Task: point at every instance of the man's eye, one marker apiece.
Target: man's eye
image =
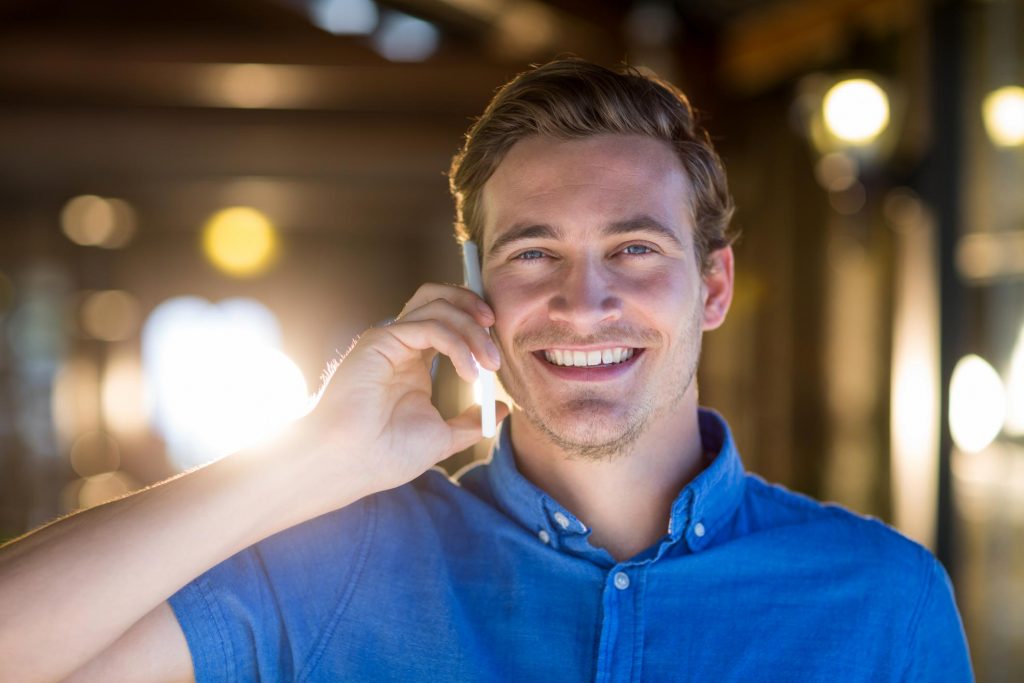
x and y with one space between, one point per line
637 250
529 255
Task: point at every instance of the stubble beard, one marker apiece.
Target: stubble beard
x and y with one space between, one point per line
578 427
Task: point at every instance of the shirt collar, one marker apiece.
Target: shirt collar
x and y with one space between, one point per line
700 510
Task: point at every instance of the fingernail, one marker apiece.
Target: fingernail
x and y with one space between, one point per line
484 308
493 352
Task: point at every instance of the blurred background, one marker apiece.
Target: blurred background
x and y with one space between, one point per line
203 201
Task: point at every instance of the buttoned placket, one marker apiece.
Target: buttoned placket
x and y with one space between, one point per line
695 516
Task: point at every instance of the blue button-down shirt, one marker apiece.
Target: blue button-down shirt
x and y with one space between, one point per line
489 578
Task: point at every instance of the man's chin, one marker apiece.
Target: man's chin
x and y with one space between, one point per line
590 429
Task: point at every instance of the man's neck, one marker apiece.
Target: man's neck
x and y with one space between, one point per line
625 499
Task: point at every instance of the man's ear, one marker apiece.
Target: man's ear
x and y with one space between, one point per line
718 283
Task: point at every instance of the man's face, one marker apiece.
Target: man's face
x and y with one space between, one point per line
590 268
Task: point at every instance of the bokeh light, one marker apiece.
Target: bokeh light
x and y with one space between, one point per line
94 452
218 377
1015 388
345 17
240 241
101 488
977 404
856 111
836 171
847 198
96 489
94 221
250 86
75 402
1003 113
124 397
403 38
526 28
110 315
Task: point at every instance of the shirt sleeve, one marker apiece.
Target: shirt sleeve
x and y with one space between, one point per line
260 614
937 650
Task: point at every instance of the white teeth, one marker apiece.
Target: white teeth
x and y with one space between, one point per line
566 357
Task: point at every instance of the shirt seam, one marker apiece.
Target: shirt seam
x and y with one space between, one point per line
344 600
229 663
915 620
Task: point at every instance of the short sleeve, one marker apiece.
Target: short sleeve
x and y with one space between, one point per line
260 614
937 650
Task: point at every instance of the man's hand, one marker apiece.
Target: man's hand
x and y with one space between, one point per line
376 407
64 603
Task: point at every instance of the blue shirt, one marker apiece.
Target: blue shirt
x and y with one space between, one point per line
489 579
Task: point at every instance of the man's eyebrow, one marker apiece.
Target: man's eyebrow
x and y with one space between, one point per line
640 223
643 223
524 231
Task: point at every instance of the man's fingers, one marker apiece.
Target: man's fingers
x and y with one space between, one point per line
466 426
480 342
421 335
459 297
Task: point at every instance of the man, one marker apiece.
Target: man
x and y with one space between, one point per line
614 535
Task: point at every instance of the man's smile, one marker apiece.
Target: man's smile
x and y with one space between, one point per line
589 357
588 365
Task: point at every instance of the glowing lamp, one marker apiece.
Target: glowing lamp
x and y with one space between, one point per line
856 111
977 404
1003 113
240 241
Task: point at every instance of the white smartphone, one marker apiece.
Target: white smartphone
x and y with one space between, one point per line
485 383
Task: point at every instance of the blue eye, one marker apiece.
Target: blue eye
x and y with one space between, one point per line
530 255
637 250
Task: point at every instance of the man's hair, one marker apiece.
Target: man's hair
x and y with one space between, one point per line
571 98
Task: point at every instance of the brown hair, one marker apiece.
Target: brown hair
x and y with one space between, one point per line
572 98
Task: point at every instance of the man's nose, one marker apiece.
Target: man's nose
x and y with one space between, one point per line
584 296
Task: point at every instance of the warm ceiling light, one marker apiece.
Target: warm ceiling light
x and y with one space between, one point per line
1003 112
240 241
977 404
94 221
856 111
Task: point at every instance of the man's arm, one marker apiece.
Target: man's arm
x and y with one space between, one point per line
154 649
72 589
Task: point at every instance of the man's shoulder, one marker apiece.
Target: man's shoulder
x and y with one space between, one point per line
434 498
797 522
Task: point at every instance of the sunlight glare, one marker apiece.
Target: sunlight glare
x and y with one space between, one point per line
219 379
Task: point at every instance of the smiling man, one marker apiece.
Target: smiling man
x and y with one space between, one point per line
591 261
613 536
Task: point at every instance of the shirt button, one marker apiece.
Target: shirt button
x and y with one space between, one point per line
621 580
562 520
544 536
698 530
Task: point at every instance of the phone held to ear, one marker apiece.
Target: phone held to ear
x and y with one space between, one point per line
484 387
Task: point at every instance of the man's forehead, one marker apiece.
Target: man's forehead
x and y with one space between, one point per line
626 180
